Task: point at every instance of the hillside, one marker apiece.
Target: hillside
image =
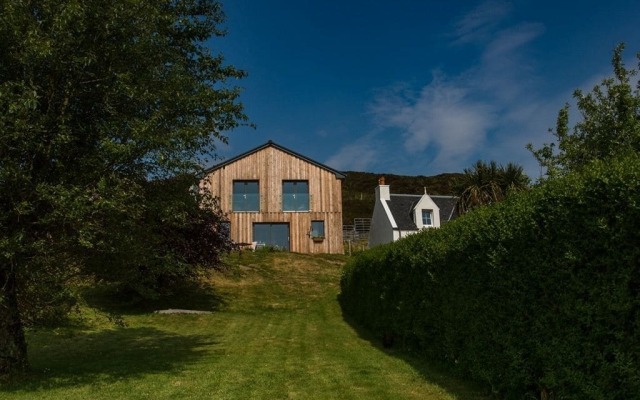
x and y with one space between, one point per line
274 331
358 196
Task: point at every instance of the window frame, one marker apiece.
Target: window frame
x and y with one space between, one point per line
429 213
312 232
297 205
246 205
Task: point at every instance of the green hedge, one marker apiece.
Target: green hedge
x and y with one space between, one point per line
538 296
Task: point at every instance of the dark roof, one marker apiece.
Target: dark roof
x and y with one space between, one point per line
270 143
401 207
447 206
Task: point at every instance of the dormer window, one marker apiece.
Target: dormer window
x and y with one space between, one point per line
427 218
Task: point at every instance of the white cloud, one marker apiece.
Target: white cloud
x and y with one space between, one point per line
506 69
467 115
511 39
478 23
489 111
357 156
443 115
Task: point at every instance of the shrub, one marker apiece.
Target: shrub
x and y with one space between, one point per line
539 295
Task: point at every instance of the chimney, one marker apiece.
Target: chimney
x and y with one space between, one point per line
382 190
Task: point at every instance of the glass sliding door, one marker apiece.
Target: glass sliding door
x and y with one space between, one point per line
272 234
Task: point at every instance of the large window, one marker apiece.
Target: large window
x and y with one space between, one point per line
272 234
427 218
295 195
246 196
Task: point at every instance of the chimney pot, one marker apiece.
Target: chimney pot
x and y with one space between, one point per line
381 180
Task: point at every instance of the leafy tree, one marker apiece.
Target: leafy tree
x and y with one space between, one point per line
100 102
610 125
181 234
488 183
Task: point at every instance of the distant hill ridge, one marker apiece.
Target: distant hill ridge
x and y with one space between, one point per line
358 196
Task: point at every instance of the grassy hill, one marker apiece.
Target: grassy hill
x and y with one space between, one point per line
275 331
358 196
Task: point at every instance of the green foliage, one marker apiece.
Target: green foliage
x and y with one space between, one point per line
535 296
45 300
98 101
488 183
610 124
181 237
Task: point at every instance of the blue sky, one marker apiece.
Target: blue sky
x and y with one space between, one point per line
417 87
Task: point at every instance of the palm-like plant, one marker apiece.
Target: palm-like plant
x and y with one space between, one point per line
487 183
513 178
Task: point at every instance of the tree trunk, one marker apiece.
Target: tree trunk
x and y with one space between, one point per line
13 346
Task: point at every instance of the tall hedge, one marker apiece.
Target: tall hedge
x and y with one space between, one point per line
538 296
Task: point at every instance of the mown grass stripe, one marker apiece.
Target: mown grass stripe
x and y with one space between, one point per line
279 335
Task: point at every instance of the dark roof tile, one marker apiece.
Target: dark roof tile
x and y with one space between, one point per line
447 206
401 207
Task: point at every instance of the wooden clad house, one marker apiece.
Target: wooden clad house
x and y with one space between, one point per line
275 196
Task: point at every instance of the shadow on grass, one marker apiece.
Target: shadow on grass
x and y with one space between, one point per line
433 372
107 356
189 296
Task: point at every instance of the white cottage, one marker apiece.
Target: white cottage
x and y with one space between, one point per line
398 215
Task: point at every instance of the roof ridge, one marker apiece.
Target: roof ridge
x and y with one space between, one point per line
271 143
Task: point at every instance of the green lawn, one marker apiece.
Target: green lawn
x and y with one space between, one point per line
277 332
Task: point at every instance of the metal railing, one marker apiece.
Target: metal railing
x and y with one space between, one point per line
358 231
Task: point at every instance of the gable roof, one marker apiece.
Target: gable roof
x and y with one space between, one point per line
402 205
447 206
270 143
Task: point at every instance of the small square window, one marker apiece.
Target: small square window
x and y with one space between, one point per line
317 229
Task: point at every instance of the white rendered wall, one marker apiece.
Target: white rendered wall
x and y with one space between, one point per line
426 203
382 224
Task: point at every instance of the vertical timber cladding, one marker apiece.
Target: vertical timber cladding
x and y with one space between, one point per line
270 164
